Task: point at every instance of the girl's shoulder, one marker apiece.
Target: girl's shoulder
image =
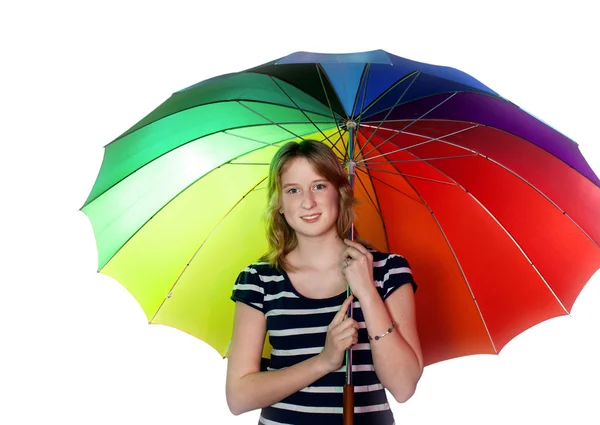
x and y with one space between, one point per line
382 256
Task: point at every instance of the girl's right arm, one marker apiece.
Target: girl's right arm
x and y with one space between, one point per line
247 388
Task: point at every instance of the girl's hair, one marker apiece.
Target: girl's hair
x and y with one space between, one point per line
281 237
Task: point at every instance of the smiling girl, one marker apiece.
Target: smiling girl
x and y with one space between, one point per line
297 293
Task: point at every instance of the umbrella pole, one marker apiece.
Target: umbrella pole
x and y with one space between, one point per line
348 410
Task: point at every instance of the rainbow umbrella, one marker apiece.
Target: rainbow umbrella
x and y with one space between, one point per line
496 212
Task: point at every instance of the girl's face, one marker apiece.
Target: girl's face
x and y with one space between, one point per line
309 202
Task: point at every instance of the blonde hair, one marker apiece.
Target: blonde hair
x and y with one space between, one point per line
281 237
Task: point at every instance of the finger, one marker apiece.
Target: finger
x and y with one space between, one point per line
363 251
347 333
349 323
341 314
348 342
353 253
356 246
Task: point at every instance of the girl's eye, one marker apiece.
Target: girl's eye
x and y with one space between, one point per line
292 190
319 186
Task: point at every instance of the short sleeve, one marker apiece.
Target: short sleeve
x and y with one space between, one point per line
249 289
395 272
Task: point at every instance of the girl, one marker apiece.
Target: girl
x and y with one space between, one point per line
297 293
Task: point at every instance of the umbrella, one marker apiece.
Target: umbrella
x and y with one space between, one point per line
496 211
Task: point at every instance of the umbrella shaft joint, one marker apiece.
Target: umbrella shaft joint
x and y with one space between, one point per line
351 164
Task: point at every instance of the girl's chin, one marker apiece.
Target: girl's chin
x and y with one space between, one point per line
313 230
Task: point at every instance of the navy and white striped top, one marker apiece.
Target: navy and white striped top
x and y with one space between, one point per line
297 327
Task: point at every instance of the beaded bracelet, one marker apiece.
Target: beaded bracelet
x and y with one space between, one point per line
389 331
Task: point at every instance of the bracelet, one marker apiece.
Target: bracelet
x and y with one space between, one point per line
377 337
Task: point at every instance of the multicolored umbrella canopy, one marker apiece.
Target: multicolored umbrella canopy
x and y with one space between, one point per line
496 212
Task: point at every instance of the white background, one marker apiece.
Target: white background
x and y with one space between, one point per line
75 346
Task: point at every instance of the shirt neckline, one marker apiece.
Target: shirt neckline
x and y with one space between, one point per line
289 283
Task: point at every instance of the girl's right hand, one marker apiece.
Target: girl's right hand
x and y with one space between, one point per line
342 333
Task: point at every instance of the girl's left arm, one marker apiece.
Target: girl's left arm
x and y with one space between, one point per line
397 356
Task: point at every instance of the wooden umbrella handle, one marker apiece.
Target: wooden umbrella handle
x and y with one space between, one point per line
348 404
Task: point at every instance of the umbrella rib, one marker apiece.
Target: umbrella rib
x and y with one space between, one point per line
303 113
170 293
414 121
424 202
407 119
546 197
429 140
424 159
127 133
330 108
225 131
400 173
410 133
283 128
504 229
376 205
365 79
341 139
394 188
392 87
462 272
505 131
248 163
271 121
256 140
452 93
390 111
252 139
229 161
373 202
458 263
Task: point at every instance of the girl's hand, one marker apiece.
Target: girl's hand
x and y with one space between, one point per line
357 269
342 333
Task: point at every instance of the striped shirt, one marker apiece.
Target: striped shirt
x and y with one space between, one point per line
297 327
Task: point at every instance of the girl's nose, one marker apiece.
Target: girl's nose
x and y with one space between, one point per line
309 200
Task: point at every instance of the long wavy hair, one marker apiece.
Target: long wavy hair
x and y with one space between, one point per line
281 237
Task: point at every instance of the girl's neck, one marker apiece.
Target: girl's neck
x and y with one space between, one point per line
317 253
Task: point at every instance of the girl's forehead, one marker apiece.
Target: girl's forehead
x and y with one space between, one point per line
299 168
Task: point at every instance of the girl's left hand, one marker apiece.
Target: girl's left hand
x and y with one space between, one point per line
357 269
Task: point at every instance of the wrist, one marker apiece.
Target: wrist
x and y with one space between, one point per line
322 365
369 296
